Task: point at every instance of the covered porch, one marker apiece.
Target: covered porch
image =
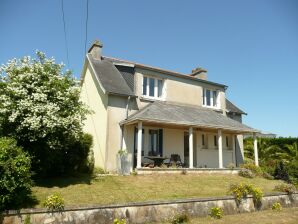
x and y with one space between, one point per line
159 140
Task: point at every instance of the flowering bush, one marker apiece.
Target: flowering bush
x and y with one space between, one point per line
287 188
40 108
276 206
180 218
15 175
119 221
216 212
246 173
241 191
54 202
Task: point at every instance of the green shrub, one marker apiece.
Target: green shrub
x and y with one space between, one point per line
246 173
134 173
287 188
180 218
99 170
54 202
119 221
241 191
231 166
216 212
253 168
276 206
281 172
15 175
267 176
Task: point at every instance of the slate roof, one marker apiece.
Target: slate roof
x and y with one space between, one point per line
112 80
186 115
230 107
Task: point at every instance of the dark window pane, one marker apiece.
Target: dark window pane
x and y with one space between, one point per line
203 140
215 140
151 87
159 85
227 141
208 97
204 103
145 86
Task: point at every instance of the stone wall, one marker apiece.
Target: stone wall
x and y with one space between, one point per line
146 212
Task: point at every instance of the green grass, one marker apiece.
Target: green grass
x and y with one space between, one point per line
120 189
286 216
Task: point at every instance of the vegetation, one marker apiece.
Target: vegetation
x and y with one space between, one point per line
87 189
180 219
278 157
40 108
246 173
54 202
286 188
216 212
15 175
119 221
276 206
241 191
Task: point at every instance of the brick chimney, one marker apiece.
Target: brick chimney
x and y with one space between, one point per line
95 49
199 73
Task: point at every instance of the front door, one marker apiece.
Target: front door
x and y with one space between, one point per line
186 149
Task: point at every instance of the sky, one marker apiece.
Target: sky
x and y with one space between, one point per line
250 46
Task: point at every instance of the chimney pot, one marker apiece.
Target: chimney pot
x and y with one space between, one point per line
199 73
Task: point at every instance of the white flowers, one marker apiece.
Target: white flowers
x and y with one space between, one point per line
37 99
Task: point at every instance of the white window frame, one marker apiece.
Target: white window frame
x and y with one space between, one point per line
217 104
155 88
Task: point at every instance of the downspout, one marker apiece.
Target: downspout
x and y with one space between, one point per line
122 126
128 99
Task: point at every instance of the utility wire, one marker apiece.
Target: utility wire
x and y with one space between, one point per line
65 39
86 33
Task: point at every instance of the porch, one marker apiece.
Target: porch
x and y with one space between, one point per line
210 141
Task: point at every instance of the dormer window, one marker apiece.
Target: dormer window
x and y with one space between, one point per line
152 87
210 98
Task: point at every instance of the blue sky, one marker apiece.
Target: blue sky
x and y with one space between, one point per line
251 46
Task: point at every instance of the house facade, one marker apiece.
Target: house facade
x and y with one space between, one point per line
152 112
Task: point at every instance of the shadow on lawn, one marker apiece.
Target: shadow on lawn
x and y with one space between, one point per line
64 181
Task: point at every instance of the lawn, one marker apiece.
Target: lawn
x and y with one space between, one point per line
119 189
286 216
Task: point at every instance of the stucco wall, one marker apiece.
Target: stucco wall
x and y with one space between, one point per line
96 123
178 89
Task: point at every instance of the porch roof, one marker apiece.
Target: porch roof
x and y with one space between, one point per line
186 115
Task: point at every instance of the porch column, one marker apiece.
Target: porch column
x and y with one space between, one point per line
139 149
256 149
190 147
220 162
234 149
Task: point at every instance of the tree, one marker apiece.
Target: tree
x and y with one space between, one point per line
40 108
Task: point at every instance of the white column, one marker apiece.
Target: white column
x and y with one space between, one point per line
220 162
139 149
234 149
256 150
190 147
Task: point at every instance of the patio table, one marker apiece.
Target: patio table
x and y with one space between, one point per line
158 160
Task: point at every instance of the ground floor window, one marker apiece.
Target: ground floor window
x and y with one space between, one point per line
155 142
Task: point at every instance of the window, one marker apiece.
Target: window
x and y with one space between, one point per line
210 98
155 142
203 139
152 87
215 140
227 141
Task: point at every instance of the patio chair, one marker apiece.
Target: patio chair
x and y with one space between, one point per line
176 159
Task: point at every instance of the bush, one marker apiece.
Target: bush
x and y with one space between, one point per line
246 173
276 206
281 172
287 188
119 221
216 213
54 202
241 191
267 176
231 166
253 168
15 175
180 218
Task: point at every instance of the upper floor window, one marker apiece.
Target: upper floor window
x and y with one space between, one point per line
210 98
152 87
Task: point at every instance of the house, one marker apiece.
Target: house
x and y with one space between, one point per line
154 112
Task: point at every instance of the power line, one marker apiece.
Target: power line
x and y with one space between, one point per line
86 33
65 39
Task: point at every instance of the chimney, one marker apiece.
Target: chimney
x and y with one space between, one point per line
199 73
95 49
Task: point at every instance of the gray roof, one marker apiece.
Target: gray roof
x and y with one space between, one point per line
112 80
230 107
186 115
